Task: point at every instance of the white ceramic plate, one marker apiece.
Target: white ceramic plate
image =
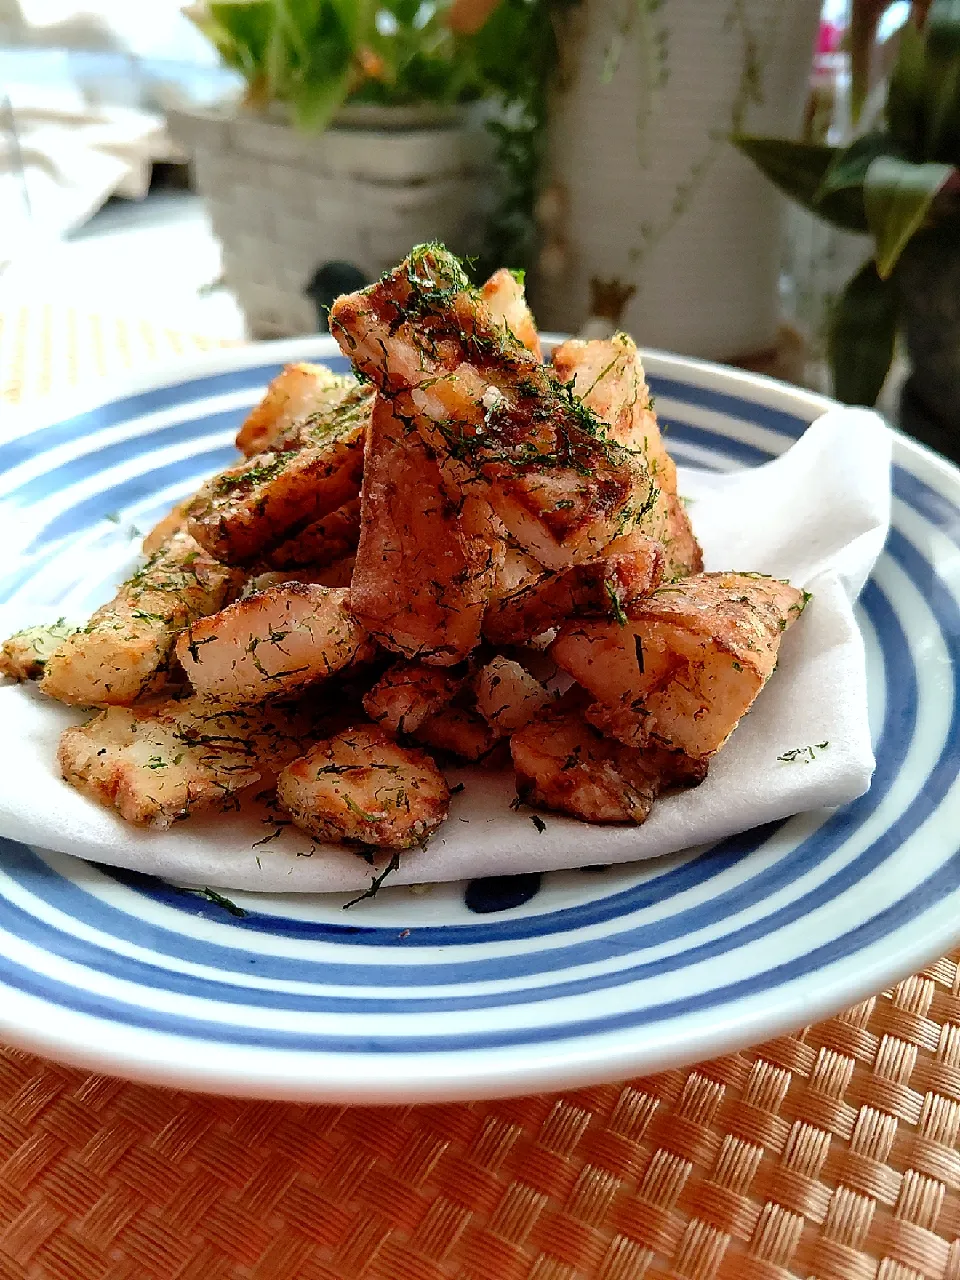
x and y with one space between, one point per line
589 975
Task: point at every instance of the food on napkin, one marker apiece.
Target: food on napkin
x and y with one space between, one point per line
470 553
124 651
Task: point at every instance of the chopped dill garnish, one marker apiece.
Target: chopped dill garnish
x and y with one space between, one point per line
616 606
217 899
376 882
803 755
538 822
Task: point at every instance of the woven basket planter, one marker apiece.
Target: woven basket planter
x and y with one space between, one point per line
284 202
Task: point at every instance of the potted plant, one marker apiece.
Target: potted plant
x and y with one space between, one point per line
642 189
361 132
900 181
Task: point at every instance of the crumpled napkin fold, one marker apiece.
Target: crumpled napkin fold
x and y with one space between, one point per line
817 515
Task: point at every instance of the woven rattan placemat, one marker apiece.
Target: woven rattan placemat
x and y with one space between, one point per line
828 1154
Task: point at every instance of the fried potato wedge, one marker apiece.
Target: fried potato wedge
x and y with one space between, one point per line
508 697
296 392
328 539
423 569
247 510
603 588
272 644
158 764
505 296
497 420
173 522
360 787
24 655
461 731
408 692
688 664
563 763
125 649
515 571
608 376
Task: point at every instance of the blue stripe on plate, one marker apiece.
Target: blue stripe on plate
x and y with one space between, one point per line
898 730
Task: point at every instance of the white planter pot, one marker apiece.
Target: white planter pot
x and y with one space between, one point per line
364 192
643 186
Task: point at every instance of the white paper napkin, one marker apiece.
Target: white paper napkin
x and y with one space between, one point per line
817 515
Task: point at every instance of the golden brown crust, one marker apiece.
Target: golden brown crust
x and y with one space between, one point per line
296 392
163 530
23 656
608 375
490 411
126 647
460 731
562 763
361 787
421 577
602 588
504 295
247 510
689 662
328 539
272 644
158 764
508 696
408 692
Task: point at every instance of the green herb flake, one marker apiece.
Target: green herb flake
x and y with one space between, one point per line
616 605
538 822
376 883
803 755
217 899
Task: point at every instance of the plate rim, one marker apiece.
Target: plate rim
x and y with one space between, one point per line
309 1076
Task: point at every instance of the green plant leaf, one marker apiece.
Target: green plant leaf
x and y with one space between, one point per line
942 82
943 28
898 196
848 169
799 169
863 333
240 32
905 93
314 102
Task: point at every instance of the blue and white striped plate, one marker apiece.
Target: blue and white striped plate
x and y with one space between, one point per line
601 974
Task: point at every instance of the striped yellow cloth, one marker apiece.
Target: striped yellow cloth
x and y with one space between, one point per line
48 348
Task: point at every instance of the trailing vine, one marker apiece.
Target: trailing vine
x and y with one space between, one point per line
756 55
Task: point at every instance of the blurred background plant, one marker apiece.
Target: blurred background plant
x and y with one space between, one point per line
316 57
898 180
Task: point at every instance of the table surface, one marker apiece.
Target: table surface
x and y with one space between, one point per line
832 1153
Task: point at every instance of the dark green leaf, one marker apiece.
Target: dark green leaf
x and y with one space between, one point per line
942 82
848 169
863 330
898 196
240 32
943 29
905 94
798 169
314 103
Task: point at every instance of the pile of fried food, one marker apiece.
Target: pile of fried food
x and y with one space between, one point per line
463 550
